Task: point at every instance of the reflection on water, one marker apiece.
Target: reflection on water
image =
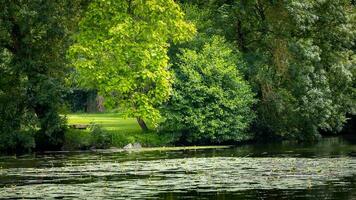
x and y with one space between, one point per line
326 170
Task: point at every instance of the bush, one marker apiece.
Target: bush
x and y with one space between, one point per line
51 134
211 103
147 139
16 142
100 138
77 139
16 130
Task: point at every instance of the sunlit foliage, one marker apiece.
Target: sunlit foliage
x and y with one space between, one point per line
211 102
122 47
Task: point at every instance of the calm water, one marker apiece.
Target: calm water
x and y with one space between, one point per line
326 170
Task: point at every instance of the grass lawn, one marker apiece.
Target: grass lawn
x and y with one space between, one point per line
118 130
109 121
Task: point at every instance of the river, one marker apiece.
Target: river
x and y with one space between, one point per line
325 170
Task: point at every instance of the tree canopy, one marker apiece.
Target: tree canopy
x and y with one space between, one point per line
122 49
208 70
34 37
300 60
211 103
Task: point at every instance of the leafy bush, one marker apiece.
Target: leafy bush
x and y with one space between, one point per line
147 139
77 139
16 142
15 126
211 103
100 138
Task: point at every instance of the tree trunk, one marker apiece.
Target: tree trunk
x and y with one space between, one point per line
100 103
240 36
142 124
91 102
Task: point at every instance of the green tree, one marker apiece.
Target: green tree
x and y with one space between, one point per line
34 37
300 60
122 50
303 69
211 103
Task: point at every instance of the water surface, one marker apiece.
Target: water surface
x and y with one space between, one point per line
326 170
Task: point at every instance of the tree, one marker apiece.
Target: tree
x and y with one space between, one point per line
303 66
300 61
211 103
122 50
34 37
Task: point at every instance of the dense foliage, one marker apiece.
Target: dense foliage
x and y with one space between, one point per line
301 60
81 100
33 43
207 57
122 50
211 103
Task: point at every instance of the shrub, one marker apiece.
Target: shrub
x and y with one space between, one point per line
211 103
100 138
77 139
16 142
16 130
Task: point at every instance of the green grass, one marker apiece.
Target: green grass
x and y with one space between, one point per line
109 121
120 131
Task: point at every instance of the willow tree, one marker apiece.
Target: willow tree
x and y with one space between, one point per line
121 49
302 64
300 57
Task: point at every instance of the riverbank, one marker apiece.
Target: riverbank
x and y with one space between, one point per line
105 130
112 131
142 149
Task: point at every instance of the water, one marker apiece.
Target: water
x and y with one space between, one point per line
326 170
